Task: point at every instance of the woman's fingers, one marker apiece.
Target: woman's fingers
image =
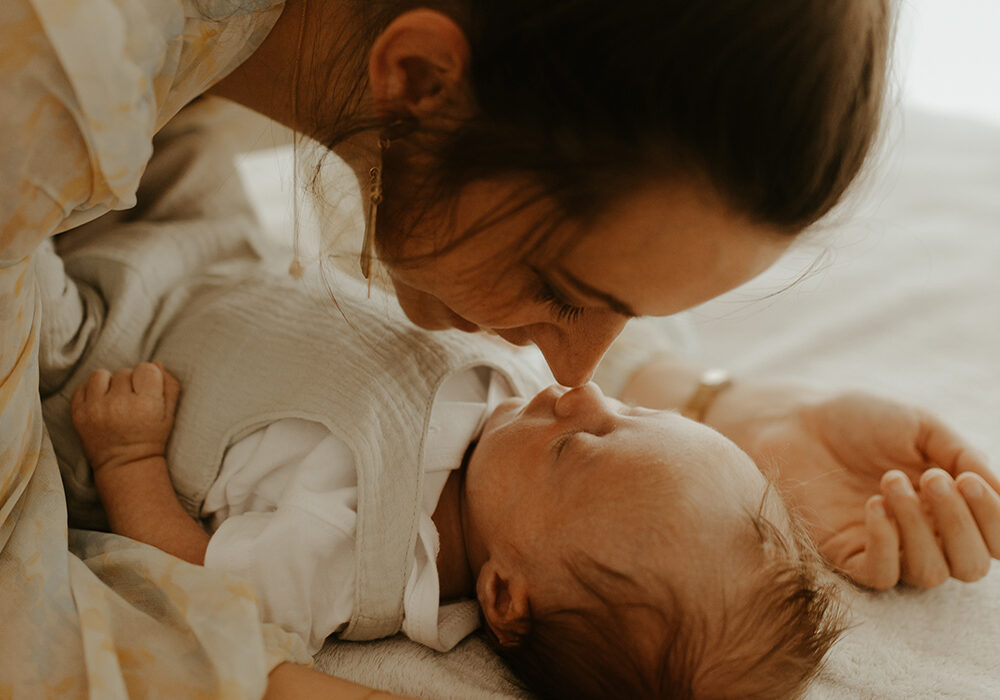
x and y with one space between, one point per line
942 446
923 562
984 503
966 552
975 462
147 379
878 566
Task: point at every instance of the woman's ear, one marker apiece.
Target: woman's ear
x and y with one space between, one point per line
503 596
418 65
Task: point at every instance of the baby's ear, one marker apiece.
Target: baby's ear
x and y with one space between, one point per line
503 596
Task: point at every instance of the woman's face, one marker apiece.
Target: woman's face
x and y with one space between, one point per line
664 249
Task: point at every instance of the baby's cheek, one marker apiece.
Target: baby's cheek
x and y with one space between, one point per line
500 417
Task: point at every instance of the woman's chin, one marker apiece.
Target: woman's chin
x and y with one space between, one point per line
436 318
463 324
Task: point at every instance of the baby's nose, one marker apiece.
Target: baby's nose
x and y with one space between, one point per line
583 401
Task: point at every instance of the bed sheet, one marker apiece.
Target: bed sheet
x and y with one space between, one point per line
903 298
905 301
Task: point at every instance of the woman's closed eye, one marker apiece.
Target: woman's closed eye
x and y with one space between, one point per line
561 309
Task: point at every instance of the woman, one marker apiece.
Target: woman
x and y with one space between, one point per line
546 170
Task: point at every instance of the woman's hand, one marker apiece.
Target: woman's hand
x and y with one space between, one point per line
125 417
888 491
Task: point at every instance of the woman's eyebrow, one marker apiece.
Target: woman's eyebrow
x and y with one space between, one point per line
613 302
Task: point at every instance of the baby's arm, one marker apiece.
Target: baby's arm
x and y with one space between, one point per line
124 421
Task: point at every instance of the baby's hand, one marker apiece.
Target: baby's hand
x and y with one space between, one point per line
127 416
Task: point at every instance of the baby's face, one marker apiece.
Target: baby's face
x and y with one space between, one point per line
574 471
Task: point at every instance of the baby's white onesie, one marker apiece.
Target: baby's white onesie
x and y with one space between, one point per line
284 508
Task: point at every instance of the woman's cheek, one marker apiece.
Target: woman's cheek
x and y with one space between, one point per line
423 309
517 336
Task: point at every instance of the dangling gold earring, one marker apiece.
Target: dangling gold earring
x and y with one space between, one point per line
374 199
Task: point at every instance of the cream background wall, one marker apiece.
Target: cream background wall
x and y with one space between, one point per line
948 56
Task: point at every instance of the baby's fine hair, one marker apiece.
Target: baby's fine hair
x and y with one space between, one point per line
770 643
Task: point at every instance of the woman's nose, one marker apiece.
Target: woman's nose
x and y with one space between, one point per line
574 351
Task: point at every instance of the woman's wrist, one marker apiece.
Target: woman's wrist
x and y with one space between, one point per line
743 411
671 383
665 382
668 382
711 383
751 411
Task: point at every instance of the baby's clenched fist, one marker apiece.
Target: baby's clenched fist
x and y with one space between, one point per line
127 416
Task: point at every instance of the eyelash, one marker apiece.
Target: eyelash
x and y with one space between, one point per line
562 442
561 310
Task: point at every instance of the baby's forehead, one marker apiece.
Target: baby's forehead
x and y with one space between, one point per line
659 458
706 509
683 446
706 478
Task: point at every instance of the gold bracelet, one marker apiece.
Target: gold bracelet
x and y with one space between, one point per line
711 383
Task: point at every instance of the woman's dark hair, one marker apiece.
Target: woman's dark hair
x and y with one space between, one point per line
774 104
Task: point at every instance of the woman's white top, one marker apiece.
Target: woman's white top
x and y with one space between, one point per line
84 84
284 510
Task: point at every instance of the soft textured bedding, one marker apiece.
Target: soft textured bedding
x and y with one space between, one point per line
906 301
907 304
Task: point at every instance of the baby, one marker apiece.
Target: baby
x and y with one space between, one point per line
612 551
